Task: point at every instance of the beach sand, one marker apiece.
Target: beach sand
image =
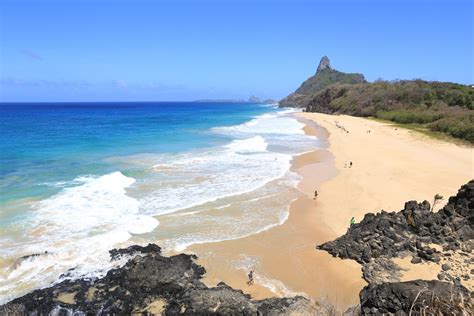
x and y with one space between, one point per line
390 166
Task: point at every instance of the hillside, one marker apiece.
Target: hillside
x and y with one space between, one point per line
324 77
436 106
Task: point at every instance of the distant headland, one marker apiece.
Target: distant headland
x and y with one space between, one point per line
439 107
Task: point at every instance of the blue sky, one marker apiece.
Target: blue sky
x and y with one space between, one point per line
104 50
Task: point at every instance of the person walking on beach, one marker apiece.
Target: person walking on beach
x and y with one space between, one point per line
315 194
350 164
250 281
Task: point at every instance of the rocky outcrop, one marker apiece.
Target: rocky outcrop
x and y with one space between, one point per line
415 231
411 230
150 283
416 298
324 63
325 76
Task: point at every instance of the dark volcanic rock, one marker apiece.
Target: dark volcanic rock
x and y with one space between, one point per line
381 270
415 260
445 267
410 230
151 283
380 237
418 297
116 254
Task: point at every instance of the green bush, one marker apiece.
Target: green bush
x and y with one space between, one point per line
409 117
440 106
456 126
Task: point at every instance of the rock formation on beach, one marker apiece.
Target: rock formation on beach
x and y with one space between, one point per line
150 283
413 231
424 235
416 298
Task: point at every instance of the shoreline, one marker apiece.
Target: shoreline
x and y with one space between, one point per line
381 178
143 283
272 278
284 258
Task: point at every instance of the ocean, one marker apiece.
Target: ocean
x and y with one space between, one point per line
78 179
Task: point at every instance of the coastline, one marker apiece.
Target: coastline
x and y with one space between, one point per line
288 263
284 258
394 166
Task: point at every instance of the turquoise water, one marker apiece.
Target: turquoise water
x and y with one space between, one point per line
79 179
46 143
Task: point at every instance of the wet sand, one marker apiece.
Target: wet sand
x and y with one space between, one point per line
390 166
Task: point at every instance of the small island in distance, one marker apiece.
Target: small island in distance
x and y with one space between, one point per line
252 99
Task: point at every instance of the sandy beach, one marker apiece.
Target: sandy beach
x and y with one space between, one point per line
390 166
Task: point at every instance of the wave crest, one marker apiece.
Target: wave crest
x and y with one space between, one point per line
256 144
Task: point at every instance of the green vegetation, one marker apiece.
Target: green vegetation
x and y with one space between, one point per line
437 106
327 77
456 126
322 79
407 117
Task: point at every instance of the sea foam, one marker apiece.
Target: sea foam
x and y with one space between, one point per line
239 188
256 144
265 124
77 227
198 178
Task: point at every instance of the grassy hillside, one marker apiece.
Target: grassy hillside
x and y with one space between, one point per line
324 77
327 77
439 106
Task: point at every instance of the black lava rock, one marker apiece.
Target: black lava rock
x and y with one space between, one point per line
150 283
411 229
445 267
415 260
416 298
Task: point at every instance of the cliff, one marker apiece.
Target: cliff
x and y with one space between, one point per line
325 76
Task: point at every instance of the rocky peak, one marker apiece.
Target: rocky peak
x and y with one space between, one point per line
324 63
